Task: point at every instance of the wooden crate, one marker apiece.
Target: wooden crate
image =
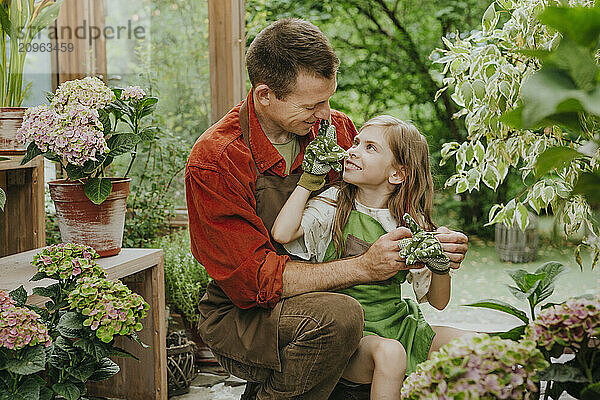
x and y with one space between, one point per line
22 223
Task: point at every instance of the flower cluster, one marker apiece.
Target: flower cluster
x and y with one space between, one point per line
5 301
19 326
477 367
70 127
68 260
89 92
566 324
133 92
111 307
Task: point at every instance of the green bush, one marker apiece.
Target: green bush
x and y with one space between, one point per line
185 278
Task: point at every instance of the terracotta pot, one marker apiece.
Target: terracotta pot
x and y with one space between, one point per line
10 121
81 221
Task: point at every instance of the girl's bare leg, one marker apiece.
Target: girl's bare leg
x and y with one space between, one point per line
444 334
381 362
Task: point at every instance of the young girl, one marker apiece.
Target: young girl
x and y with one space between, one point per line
386 174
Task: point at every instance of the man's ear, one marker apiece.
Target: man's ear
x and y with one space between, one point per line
397 175
263 94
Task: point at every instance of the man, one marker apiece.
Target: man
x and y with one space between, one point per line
267 318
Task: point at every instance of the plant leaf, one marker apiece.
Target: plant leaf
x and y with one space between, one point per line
500 306
555 158
591 392
580 24
2 199
518 293
122 143
45 16
82 372
33 360
5 21
588 185
97 350
562 373
32 152
70 320
104 118
513 334
49 291
106 369
29 389
97 189
119 352
19 295
551 269
67 390
518 276
38 276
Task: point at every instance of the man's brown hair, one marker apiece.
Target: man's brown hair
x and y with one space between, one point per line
283 49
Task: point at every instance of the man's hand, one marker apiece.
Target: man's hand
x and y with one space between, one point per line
382 260
454 245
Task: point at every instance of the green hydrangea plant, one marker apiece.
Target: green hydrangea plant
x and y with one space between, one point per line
479 367
111 307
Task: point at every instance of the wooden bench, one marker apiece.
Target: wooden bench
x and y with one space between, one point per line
142 270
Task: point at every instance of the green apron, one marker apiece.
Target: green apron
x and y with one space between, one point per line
387 314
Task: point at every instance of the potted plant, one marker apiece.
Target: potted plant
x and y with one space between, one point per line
20 21
79 131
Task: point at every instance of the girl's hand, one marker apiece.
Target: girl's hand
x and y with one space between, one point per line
454 245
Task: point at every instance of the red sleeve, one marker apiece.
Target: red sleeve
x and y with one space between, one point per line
230 240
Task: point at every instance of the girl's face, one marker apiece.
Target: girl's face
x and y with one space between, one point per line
370 161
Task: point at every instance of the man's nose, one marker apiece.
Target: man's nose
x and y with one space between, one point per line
323 111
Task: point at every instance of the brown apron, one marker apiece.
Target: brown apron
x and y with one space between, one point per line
248 336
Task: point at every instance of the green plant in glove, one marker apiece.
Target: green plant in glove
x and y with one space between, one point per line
423 246
321 155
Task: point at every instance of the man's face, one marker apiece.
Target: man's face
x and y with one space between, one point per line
306 104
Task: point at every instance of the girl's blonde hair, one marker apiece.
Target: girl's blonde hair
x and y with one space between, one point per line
414 195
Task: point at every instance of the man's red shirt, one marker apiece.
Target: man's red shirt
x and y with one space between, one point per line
227 235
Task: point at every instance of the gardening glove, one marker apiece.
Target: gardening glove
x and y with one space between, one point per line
320 156
424 247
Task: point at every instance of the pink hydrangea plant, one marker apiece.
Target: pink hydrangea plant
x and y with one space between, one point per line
568 324
75 135
19 326
476 368
5 301
89 92
133 92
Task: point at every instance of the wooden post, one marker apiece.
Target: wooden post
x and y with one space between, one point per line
78 24
227 44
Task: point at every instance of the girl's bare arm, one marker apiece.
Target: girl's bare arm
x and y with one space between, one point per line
439 291
287 225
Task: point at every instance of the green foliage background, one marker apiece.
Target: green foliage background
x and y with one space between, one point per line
385 47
